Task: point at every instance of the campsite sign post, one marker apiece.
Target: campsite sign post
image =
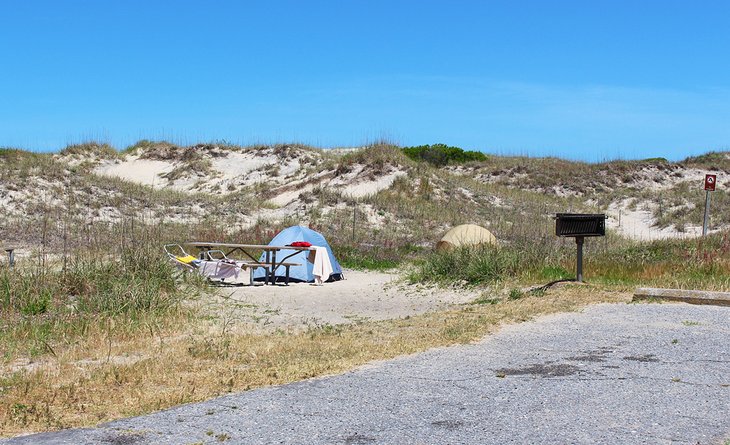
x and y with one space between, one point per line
710 184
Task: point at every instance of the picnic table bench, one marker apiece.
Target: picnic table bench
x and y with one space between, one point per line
253 265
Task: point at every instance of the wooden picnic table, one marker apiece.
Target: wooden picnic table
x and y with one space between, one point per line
270 263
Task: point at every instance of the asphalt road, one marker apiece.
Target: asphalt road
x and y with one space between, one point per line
613 374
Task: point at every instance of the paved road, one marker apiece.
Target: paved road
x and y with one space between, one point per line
614 374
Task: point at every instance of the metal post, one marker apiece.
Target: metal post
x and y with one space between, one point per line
579 263
11 257
707 213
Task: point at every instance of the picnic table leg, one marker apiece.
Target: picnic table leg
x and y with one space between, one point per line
266 268
287 275
267 271
273 267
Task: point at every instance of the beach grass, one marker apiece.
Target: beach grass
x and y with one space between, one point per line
681 263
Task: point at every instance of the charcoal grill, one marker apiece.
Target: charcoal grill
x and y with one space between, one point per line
579 226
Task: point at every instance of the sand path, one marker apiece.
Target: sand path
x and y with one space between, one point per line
361 296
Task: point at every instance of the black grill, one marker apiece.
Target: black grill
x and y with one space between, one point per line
580 224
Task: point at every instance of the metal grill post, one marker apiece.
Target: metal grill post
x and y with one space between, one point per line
579 262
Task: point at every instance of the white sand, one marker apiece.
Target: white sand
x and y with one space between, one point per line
361 296
368 188
236 169
238 164
239 169
349 184
290 196
359 182
638 224
141 171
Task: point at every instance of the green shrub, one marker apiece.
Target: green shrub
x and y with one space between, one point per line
515 294
442 154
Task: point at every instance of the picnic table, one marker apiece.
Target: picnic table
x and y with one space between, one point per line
270 263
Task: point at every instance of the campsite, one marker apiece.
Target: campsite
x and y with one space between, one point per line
125 329
364 222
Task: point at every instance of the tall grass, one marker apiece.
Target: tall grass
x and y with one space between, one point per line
375 257
117 275
484 264
700 263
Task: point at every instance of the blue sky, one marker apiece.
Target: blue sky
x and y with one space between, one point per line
588 80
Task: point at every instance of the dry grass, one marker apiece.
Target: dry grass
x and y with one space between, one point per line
97 380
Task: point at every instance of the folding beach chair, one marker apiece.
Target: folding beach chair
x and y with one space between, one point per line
180 258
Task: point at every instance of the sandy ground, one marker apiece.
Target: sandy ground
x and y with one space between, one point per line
638 224
299 306
141 171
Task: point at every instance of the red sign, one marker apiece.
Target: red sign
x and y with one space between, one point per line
710 182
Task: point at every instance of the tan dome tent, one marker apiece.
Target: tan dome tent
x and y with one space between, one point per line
466 235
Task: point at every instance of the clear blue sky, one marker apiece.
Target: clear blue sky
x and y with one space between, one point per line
583 79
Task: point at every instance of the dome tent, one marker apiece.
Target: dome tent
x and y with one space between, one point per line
303 272
466 235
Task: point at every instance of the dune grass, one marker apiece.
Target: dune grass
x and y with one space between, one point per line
52 304
685 264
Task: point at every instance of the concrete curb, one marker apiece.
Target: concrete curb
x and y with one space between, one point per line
685 296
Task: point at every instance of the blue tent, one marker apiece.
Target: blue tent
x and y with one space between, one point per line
304 271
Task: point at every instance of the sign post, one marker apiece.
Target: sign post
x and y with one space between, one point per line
710 183
11 257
